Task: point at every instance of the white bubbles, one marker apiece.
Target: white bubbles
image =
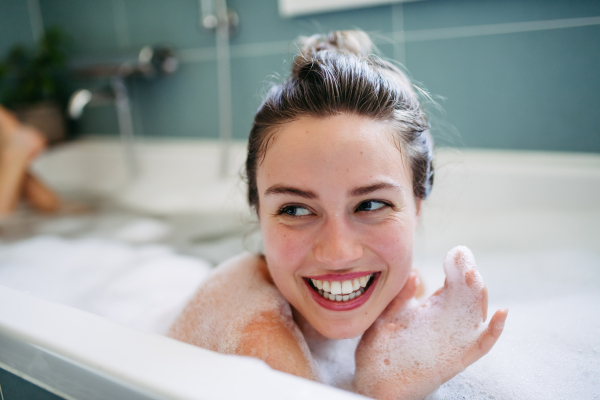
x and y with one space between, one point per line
423 345
234 301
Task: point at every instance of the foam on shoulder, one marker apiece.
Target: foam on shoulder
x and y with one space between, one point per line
229 299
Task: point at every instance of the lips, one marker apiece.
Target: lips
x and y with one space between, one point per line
342 295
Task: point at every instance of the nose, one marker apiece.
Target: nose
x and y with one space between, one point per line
337 244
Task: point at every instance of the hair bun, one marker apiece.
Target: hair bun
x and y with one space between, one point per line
341 42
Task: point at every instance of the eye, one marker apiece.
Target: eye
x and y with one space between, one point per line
371 205
294 211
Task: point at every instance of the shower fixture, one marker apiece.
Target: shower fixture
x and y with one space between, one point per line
149 63
216 16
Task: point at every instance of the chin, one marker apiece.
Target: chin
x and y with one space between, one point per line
342 332
342 328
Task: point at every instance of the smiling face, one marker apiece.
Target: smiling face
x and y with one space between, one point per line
338 219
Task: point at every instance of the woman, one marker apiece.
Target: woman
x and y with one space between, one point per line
339 160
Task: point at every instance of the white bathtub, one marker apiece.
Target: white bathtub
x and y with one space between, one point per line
530 218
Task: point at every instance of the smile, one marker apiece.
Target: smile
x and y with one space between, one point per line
342 295
342 290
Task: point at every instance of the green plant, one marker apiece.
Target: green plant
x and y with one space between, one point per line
32 76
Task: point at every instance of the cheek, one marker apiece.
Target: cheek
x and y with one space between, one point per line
285 248
393 243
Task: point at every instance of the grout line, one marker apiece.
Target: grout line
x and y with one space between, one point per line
398 29
203 54
494 29
35 19
121 25
200 54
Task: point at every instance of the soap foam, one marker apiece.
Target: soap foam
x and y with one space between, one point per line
235 295
550 347
434 336
140 286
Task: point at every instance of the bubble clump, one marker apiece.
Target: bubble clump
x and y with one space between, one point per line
424 344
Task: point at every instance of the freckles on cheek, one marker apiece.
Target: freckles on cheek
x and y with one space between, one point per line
282 246
393 244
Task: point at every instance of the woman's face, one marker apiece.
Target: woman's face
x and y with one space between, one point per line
337 208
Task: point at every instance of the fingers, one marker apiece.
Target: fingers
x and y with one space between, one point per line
410 287
406 294
460 269
420 287
474 281
484 303
487 339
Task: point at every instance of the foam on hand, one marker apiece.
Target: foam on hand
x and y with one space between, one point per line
427 342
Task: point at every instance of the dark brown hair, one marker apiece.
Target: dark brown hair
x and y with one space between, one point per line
336 74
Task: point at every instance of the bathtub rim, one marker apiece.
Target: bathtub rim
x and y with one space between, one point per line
132 361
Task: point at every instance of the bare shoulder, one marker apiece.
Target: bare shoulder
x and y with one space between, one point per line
239 310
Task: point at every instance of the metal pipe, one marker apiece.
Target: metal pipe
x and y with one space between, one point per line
125 125
224 83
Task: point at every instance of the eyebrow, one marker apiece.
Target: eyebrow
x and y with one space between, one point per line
281 189
363 190
307 194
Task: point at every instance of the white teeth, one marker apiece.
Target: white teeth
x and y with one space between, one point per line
342 291
363 281
336 288
347 287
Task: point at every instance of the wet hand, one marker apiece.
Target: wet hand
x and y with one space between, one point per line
413 348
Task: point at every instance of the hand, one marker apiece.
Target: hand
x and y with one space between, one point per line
413 348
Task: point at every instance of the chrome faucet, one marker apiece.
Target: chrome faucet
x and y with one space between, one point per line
149 63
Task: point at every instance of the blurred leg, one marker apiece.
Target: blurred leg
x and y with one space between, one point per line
39 195
13 164
19 145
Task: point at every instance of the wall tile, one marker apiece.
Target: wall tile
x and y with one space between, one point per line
180 105
260 21
501 90
252 76
533 90
98 120
432 14
15 27
89 22
172 22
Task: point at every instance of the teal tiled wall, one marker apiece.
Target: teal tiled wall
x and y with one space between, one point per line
14 24
515 74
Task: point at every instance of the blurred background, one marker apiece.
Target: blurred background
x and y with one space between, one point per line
147 105
516 74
